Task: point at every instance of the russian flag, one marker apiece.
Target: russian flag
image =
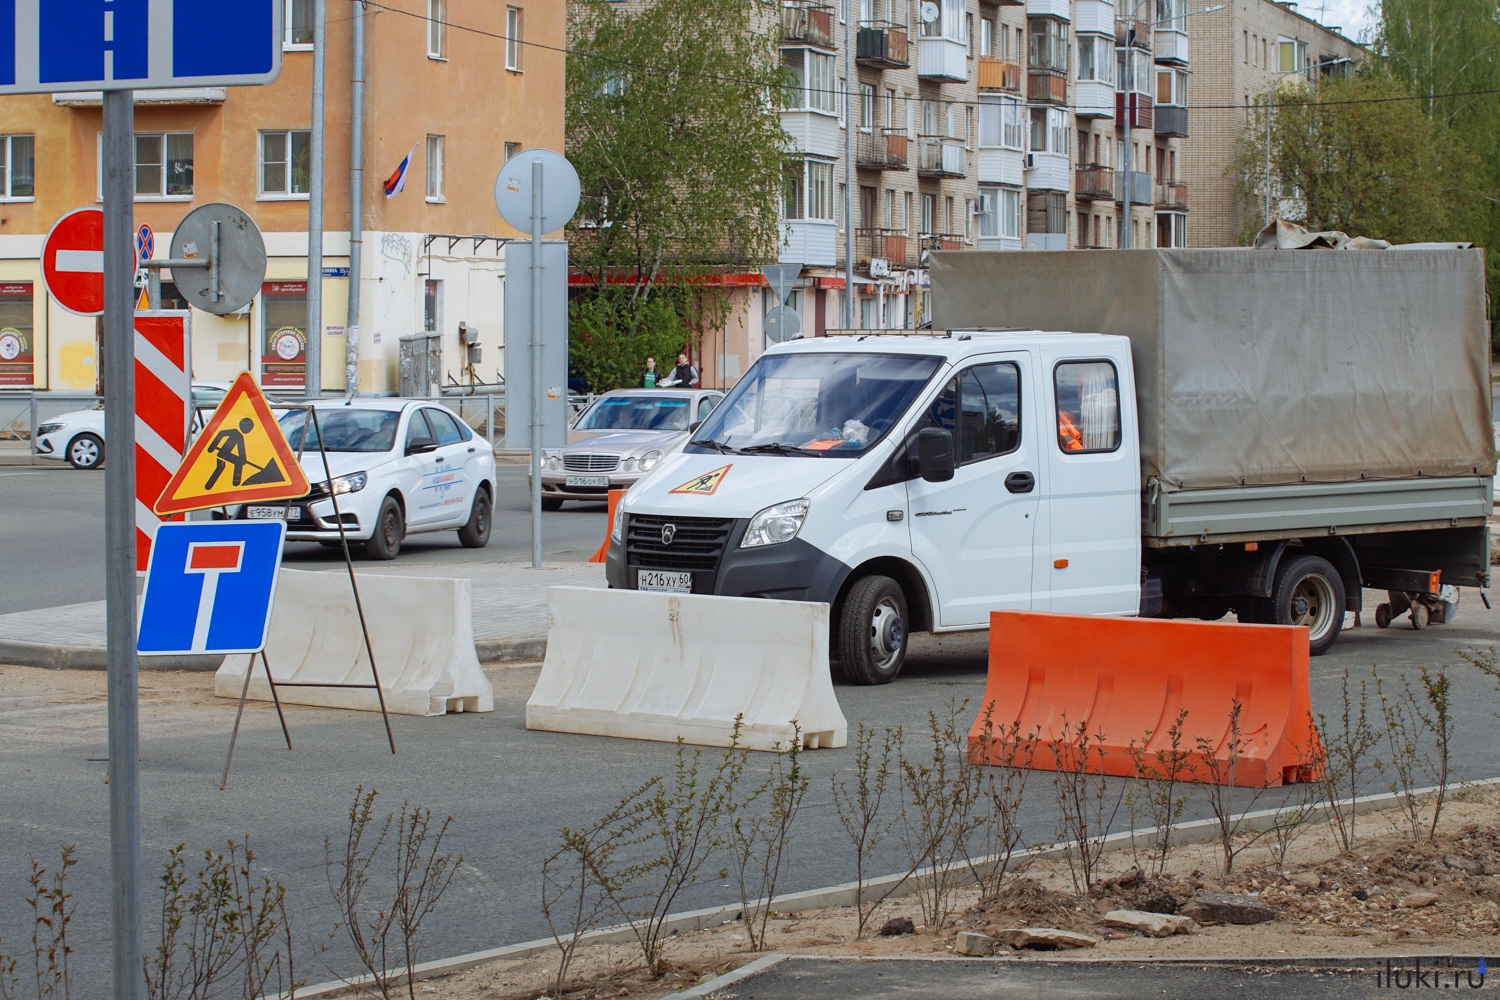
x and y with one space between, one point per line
396 183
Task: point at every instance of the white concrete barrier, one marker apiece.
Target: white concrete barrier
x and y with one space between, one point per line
661 666
422 631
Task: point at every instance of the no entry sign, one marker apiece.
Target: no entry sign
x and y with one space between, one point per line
73 261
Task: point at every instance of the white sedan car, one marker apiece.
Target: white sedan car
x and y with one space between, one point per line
78 437
396 467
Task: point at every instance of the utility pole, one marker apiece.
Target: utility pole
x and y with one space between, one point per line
312 380
1125 159
848 310
356 199
1268 157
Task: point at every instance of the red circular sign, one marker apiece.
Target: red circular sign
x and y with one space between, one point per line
73 261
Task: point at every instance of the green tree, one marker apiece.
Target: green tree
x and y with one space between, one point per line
672 125
1357 155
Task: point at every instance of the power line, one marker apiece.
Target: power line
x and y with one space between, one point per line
905 99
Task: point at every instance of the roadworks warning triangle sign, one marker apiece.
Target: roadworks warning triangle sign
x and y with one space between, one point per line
706 484
242 455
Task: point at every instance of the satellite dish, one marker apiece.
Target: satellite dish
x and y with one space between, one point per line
234 244
560 190
929 12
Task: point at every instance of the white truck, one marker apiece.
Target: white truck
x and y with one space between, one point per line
1249 431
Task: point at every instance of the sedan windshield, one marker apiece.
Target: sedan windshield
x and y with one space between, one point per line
344 429
636 413
821 405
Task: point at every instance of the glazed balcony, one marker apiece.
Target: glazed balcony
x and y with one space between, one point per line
1171 121
881 45
1140 109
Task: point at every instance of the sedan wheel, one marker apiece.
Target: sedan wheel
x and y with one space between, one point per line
85 452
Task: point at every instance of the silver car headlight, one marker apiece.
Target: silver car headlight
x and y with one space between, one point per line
554 461
628 465
649 460
352 483
777 524
52 428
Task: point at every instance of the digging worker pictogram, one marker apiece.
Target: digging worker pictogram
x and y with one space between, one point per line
228 447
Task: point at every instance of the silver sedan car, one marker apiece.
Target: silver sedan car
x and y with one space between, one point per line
619 438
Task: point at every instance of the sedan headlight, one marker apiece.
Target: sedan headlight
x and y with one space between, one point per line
775 525
649 460
52 428
352 483
628 465
554 461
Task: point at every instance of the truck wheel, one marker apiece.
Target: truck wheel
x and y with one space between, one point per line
1419 616
390 528
1383 616
1310 593
476 533
872 631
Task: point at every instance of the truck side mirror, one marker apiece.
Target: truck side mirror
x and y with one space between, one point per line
935 454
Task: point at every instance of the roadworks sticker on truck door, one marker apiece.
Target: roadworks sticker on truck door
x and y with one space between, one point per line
706 484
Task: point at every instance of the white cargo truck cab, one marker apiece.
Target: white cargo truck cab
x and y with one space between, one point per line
914 482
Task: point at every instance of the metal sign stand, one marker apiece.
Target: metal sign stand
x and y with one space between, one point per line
312 416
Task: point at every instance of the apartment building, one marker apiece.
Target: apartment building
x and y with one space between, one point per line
456 84
1242 52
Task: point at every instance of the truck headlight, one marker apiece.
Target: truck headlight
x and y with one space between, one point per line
775 525
649 460
617 530
352 483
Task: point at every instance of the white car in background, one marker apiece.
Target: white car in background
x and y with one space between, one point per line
78 437
397 467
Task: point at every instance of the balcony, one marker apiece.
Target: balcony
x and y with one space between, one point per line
1172 197
1171 121
1093 99
890 245
1093 17
1049 8
999 74
1047 171
997 165
942 241
941 158
1094 183
805 23
1171 46
1046 88
1142 33
809 241
883 149
1140 110
882 45
943 58
1137 185
813 132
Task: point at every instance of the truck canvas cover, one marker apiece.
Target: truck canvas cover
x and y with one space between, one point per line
1258 367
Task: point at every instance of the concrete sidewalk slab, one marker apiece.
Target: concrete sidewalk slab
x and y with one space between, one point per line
510 617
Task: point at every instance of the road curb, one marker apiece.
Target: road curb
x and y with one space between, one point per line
56 656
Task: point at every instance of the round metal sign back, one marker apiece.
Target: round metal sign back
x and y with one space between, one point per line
560 190
782 324
241 258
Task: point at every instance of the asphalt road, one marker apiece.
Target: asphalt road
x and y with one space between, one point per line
509 790
52 535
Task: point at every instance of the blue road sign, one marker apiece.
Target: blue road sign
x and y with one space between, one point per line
72 45
145 243
209 587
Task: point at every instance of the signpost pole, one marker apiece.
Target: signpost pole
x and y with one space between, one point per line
312 379
119 543
536 364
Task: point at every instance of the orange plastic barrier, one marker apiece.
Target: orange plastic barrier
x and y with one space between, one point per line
609 526
1123 677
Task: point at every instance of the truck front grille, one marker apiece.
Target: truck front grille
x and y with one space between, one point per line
697 542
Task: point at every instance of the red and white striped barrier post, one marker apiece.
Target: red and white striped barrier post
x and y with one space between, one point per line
163 411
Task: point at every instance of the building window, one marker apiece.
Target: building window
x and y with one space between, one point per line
866 106
437 29
285 163
283 349
19 169
807 190
432 298
299 24
1049 46
163 164
513 38
435 168
814 87
1049 130
511 149
929 213
1171 87
1096 58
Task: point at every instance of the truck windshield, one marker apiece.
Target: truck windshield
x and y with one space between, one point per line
817 405
637 413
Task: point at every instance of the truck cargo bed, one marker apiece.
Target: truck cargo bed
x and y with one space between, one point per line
1252 513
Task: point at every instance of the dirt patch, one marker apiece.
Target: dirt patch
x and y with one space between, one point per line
1330 904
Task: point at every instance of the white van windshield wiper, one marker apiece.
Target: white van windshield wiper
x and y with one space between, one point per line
777 448
718 446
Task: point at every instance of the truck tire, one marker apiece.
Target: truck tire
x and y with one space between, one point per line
872 631
1309 592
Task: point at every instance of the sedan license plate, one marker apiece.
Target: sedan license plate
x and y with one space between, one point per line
672 583
586 482
277 511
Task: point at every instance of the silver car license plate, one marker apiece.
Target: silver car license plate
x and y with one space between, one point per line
586 482
277 511
672 583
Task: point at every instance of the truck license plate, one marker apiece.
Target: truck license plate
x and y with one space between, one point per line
585 482
672 583
278 511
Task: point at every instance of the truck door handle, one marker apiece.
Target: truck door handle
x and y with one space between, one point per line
1020 482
